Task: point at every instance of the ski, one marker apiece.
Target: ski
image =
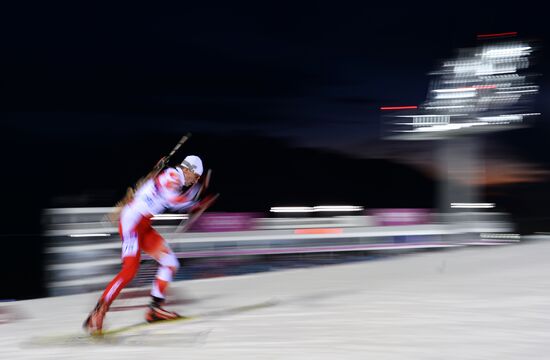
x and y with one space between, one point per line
111 336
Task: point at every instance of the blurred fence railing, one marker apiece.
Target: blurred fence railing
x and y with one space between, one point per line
83 250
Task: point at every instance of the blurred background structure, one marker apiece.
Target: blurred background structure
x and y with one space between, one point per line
483 89
83 251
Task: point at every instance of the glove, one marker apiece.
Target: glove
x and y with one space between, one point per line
203 204
161 163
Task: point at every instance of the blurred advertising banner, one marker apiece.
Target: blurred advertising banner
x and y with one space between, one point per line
389 217
221 221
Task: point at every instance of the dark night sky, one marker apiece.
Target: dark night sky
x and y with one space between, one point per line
313 73
92 97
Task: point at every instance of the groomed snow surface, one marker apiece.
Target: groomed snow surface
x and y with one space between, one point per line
474 303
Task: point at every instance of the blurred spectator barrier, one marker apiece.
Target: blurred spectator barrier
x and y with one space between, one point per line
83 248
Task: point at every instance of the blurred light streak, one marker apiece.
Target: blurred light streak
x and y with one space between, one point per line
89 235
480 87
472 205
462 89
445 107
500 236
446 127
398 107
318 231
169 217
431 115
509 33
461 94
291 209
321 208
338 208
507 52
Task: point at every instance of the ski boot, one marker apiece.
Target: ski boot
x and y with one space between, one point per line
94 323
157 313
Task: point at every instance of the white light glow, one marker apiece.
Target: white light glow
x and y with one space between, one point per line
423 124
505 118
500 236
169 217
321 208
448 127
445 107
456 95
454 90
517 91
337 208
291 209
472 205
507 52
88 235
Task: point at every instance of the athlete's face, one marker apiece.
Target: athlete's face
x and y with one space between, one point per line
190 177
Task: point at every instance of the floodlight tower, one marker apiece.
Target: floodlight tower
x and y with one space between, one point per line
483 89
